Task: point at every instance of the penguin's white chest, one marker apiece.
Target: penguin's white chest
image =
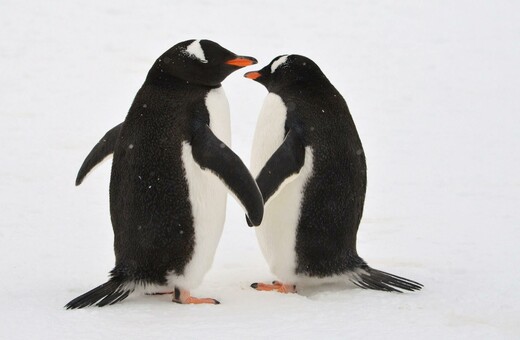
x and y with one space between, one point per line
208 196
269 132
277 233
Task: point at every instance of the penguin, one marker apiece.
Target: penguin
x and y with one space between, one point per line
310 166
170 173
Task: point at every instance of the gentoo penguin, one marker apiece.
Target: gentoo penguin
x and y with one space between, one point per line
310 166
169 175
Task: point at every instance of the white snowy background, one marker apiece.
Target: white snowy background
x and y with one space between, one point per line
433 88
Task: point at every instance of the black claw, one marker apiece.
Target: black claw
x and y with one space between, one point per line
254 285
217 302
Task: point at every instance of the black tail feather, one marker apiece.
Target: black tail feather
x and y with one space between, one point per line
369 278
106 294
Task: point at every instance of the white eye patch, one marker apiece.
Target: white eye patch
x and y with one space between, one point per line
195 50
278 62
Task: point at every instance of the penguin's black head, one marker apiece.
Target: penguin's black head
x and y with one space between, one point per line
288 70
202 62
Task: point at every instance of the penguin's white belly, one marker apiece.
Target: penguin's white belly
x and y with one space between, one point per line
269 132
277 233
208 197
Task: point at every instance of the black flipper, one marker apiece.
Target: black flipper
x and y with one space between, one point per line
211 153
369 278
108 293
101 150
286 161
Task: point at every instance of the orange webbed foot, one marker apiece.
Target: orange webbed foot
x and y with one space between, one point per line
183 297
275 286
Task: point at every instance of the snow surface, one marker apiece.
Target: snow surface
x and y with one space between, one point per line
433 88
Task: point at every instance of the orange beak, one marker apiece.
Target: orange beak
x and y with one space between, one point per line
242 61
253 75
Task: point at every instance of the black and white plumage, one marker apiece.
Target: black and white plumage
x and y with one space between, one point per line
310 166
171 170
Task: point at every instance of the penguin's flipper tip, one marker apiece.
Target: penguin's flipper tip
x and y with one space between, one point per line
369 278
249 223
79 180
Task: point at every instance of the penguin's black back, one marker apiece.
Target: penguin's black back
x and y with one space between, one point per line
334 195
149 199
